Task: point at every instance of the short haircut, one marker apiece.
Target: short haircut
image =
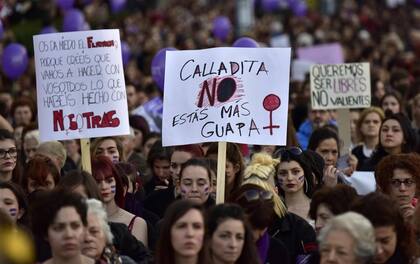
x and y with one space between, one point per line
38 170
337 199
384 171
53 148
47 205
96 207
359 228
321 134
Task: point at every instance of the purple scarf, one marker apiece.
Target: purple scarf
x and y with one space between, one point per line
263 244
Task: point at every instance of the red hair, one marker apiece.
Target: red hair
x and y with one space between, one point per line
38 169
194 149
103 168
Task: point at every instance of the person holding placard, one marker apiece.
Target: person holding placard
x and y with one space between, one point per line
367 128
112 192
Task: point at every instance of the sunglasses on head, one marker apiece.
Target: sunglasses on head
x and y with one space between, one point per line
255 195
285 152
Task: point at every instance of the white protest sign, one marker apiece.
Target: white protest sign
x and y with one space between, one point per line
335 86
363 181
80 85
226 94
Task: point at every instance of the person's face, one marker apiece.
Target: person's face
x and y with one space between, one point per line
323 216
34 185
391 103
354 117
23 115
138 138
177 159
17 134
403 186
29 147
391 135
380 90
291 176
65 234
108 188
269 149
187 234
386 243
148 145
338 248
371 125
7 160
95 239
128 144
132 101
230 171
108 148
195 184
162 169
328 149
9 204
319 118
227 241
71 146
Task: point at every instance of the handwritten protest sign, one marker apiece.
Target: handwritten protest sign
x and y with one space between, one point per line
322 54
80 85
226 94
335 86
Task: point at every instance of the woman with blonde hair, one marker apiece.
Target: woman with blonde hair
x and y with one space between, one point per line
295 233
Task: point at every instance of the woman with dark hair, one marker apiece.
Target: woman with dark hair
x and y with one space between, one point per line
367 129
399 177
234 166
82 183
112 192
8 157
159 161
394 239
60 217
296 180
182 235
40 173
392 102
229 237
396 136
13 202
195 182
326 143
328 202
258 205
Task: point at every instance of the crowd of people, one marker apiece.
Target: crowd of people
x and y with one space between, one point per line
145 203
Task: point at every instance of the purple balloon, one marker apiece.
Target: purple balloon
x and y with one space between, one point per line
158 67
117 5
221 27
74 20
48 29
65 4
1 30
270 5
299 8
245 42
14 60
125 52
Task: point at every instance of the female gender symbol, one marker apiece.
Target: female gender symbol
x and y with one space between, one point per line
270 103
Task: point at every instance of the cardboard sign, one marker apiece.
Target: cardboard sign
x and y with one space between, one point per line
335 86
226 94
322 54
80 85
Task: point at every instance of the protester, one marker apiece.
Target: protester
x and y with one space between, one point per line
40 173
392 102
229 236
14 203
368 131
60 217
182 235
347 238
159 161
8 157
395 241
399 177
328 202
110 147
112 193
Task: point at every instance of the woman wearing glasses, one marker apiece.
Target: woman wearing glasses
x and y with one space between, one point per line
8 157
296 180
399 177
